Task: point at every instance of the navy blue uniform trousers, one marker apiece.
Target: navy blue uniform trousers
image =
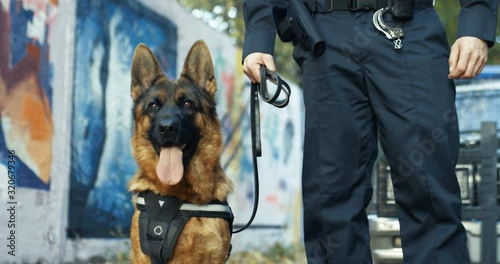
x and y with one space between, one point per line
359 90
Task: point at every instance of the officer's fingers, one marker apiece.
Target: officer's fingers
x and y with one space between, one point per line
453 60
252 63
269 62
475 60
481 59
254 72
473 53
251 66
250 73
461 67
469 71
477 70
472 62
462 63
247 71
476 64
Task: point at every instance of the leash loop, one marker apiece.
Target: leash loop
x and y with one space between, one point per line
281 86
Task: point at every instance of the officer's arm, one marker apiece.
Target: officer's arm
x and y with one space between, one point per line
260 28
478 18
260 34
476 32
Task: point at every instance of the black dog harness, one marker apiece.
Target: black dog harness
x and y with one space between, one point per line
162 219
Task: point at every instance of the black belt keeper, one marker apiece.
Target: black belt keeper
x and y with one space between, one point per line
311 6
354 5
401 9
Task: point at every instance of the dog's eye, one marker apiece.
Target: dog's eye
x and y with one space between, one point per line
188 104
152 106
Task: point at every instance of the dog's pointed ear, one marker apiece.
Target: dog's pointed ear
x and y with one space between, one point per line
145 70
199 68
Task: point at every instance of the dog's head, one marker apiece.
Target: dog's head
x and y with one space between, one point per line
173 118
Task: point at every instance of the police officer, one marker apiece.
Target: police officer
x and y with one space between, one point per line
363 88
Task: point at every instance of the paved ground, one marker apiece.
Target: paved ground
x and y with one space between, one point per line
276 254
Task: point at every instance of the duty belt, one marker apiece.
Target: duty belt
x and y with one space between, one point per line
354 5
327 6
380 6
162 219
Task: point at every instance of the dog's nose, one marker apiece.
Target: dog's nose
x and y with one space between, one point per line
168 127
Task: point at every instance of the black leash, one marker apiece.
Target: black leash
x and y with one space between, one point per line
263 90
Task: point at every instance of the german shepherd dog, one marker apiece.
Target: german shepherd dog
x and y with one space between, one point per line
177 143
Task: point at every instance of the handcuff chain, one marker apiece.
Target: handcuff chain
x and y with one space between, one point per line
392 33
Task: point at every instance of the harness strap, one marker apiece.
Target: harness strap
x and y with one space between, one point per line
162 219
159 222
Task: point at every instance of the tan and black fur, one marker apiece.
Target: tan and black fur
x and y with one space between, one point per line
189 102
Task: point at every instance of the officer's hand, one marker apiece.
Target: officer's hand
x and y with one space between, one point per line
252 62
468 57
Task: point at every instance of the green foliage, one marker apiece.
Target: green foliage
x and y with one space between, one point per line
225 15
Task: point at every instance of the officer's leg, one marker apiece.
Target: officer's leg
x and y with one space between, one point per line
339 151
414 104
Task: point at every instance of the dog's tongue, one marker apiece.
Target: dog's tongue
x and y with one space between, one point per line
170 168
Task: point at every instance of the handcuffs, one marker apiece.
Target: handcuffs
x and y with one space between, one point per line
392 33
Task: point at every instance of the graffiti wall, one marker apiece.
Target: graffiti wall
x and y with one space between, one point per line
65 111
106 35
25 89
30 166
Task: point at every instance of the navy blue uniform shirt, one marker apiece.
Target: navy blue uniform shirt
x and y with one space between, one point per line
477 18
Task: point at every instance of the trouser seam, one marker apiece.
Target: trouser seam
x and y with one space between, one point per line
419 170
